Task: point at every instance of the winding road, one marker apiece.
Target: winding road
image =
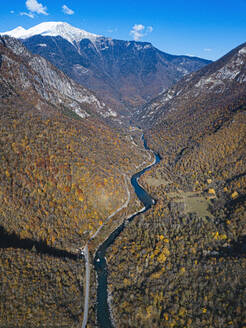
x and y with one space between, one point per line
87 285
85 252
103 312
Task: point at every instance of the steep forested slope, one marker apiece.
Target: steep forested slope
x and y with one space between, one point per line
184 261
61 176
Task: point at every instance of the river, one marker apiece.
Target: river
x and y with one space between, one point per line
100 264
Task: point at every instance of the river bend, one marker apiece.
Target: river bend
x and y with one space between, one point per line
100 264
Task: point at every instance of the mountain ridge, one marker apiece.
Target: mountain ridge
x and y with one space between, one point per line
186 257
35 76
212 81
63 29
125 74
63 177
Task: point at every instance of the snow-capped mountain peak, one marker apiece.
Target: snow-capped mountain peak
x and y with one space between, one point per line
17 31
65 30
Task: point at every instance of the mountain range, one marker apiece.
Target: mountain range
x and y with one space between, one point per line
183 263
66 163
32 89
42 85
125 74
218 85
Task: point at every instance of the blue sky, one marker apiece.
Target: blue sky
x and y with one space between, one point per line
207 29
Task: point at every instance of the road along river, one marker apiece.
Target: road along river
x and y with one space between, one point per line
104 319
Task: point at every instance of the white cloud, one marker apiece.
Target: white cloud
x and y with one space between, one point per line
67 10
12 12
138 31
138 27
207 49
31 15
35 7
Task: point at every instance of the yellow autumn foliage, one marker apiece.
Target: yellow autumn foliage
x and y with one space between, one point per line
165 315
234 195
161 258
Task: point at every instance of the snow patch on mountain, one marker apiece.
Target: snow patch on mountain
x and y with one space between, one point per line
62 29
17 32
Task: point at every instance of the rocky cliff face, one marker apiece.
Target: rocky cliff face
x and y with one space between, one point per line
125 74
199 124
190 247
61 177
41 84
220 84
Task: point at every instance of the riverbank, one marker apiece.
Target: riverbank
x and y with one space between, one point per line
100 265
113 222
